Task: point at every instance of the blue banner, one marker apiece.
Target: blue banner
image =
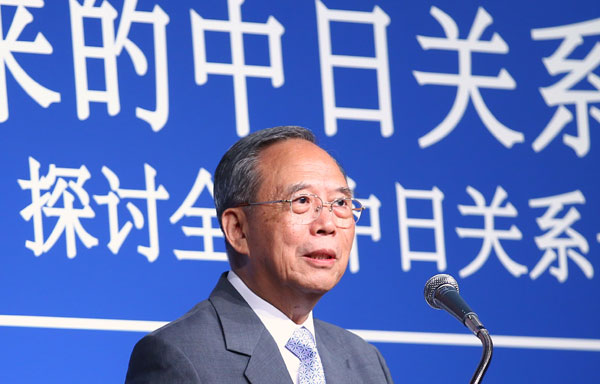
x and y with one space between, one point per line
469 130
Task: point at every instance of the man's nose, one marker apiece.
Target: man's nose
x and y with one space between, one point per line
325 222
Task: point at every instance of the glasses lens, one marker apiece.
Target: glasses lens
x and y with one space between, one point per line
302 204
357 209
347 212
307 207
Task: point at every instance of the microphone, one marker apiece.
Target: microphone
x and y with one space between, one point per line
441 292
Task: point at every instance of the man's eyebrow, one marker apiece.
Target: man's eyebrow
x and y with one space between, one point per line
295 188
346 191
300 186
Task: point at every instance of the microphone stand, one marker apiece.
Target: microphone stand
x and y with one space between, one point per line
486 356
472 322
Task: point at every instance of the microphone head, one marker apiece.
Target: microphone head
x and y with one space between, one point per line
433 284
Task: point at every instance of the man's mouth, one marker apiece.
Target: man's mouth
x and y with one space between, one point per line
321 255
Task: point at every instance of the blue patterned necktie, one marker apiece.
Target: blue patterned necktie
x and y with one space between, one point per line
303 346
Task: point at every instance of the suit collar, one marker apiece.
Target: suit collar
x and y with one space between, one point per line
244 333
241 327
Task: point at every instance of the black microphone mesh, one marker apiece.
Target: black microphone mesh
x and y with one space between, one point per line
433 284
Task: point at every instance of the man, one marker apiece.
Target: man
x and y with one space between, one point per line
288 218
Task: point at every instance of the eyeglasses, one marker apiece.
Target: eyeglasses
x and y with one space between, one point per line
307 207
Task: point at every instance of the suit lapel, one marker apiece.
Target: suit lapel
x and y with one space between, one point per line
335 358
244 333
266 364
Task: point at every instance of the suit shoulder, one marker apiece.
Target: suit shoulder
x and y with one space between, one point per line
198 321
172 352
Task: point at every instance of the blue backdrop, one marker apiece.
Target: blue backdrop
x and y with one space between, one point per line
469 130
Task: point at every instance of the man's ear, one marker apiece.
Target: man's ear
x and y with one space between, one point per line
234 222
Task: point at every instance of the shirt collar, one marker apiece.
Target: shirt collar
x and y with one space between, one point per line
277 323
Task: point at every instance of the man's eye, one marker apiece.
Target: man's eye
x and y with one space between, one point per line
340 203
302 200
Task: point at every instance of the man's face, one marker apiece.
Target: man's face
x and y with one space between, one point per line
288 259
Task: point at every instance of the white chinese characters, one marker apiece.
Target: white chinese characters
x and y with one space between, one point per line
489 234
575 95
380 20
561 241
467 83
60 201
46 194
565 91
11 43
207 215
150 194
434 223
113 44
238 68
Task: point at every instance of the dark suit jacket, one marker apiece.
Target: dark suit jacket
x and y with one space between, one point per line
222 340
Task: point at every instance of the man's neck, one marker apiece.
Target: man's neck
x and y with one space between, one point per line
295 305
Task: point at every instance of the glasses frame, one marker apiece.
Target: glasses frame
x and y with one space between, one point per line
356 212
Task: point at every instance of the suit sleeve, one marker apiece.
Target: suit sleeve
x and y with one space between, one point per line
154 360
386 370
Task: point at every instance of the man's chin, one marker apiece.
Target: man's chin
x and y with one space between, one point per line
319 287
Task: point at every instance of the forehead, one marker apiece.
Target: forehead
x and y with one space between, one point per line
294 162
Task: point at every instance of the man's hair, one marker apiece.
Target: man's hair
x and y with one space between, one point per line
237 177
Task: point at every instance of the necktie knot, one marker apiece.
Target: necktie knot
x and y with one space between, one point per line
302 344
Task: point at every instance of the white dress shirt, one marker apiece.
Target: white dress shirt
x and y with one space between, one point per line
279 325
